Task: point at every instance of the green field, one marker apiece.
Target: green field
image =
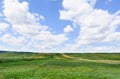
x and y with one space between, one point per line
59 66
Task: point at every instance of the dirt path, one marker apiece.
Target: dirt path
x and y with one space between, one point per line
100 61
90 60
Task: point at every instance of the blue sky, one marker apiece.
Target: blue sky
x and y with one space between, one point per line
60 25
50 10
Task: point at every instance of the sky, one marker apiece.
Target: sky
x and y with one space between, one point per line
71 26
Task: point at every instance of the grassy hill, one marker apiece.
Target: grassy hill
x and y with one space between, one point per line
59 66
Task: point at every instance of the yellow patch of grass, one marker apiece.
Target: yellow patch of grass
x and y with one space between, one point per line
66 56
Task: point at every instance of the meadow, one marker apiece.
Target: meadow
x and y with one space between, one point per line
59 66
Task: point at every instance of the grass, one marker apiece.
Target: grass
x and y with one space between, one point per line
97 56
57 66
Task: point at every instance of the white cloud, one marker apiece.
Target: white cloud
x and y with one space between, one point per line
30 33
113 37
68 29
2 47
80 9
21 19
96 25
3 26
47 40
73 48
42 17
106 49
103 49
13 41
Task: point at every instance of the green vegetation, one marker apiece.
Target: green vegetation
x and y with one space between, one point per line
59 66
98 56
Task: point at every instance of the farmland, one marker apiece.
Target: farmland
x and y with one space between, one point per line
59 66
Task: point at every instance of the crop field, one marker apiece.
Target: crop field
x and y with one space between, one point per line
59 66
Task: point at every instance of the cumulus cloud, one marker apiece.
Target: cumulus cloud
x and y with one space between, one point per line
2 47
21 19
96 25
13 41
3 26
92 49
113 37
26 29
68 29
28 34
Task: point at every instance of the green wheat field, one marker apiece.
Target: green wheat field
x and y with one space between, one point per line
22 65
